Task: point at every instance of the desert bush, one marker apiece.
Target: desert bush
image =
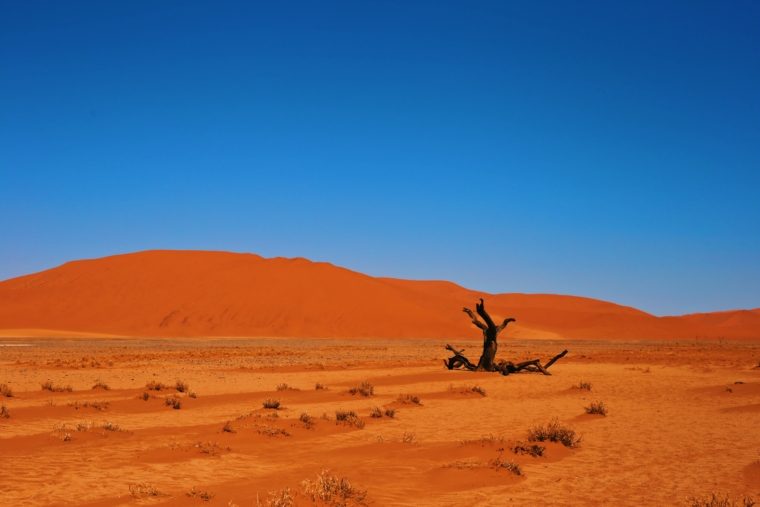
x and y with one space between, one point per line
348 417
174 402
4 412
490 440
390 412
97 405
66 437
271 431
101 384
155 386
554 431
144 396
597 407
203 495
272 403
143 489
192 394
718 500
469 390
6 391
407 438
376 413
510 465
109 426
407 399
279 498
583 385
308 420
286 387
534 450
181 386
227 428
319 386
48 385
332 490
365 389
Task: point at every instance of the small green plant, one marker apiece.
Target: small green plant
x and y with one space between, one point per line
365 389
597 407
6 391
272 403
554 431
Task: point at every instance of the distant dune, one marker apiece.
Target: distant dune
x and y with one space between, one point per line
198 293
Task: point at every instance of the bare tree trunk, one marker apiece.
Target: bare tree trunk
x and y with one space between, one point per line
487 360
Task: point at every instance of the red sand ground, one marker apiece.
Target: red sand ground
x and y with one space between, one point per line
678 425
192 293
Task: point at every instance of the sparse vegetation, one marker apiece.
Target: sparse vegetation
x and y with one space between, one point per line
101 384
97 405
6 391
583 385
348 417
319 386
192 394
144 396
174 402
509 465
143 489
227 428
407 438
272 403
48 385
181 386
203 495
719 500
109 426
554 431
490 441
498 464
286 387
597 407
279 498
365 389
332 490
390 412
407 399
376 413
308 420
4 412
155 386
469 390
533 450
271 431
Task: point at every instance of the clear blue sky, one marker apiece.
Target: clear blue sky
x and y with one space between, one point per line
603 149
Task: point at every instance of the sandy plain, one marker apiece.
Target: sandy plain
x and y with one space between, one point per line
683 420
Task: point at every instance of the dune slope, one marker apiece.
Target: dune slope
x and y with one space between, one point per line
200 293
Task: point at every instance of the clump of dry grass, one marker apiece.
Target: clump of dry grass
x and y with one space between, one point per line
4 412
376 413
97 405
181 386
308 420
109 426
271 431
272 403
144 396
319 386
333 490
407 399
48 385
192 394
407 438
718 500
281 498
390 412
155 386
348 417
509 465
554 431
490 441
101 384
203 495
365 389
469 390
6 391
173 401
286 387
533 450
597 407
208 448
143 489
583 385
227 428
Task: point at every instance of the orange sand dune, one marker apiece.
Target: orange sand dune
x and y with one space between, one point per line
198 293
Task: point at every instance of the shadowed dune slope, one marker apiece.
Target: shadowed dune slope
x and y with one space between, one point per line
199 293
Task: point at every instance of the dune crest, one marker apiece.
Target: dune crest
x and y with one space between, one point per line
201 293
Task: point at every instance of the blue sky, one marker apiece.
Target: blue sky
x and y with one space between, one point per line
602 149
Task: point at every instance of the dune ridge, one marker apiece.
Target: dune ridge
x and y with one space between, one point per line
167 293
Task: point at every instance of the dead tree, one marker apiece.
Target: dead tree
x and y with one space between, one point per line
487 360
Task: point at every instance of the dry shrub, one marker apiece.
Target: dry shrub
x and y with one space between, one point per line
227 428
203 495
97 405
390 412
192 394
719 500
286 387
208 448
109 426
6 391
583 385
597 407
244 415
271 431
4 412
101 384
319 386
348 417
510 465
308 420
469 390
66 437
155 386
272 403
365 389
279 498
534 450
181 386
554 431
174 402
332 490
48 385
407 399
143 489
407 438
144 396
376 413
490 441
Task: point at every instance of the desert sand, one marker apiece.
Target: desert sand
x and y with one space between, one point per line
682 420
222 294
